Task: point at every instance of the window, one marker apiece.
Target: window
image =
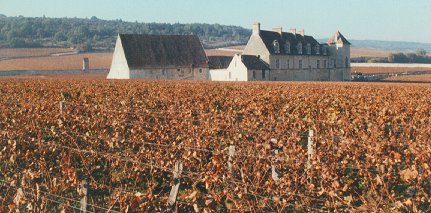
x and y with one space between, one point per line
288 64
163 72
308 49
324 63
324 50
263 74
287 47
300 64
347 62
317 49
299 47
254 74
276 46
318 64
277 63
335 63
200 70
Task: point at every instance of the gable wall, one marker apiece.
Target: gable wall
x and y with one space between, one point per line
119 67
255 46
235 72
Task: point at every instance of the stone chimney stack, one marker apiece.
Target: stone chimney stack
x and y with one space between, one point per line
85 64
256 28
292 30
301 32
279 30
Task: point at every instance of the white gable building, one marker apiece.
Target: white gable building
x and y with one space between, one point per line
179 57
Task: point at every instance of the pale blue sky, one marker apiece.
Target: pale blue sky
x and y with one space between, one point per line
393 20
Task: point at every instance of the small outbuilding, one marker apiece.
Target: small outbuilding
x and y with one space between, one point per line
179 57
243 68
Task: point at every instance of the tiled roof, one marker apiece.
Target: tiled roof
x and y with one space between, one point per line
254 62
163 50
219 62
269 37
338 38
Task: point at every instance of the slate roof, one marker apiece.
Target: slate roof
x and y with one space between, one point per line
253 62
219 62
269 37
338 38
143 51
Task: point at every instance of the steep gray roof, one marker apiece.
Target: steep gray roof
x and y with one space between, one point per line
219 62
269 37
253 62
338 38
163 51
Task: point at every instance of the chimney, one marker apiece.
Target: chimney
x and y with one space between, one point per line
301 32
292 30
256 28
85 64
279 30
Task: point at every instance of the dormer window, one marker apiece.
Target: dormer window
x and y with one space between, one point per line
317 49
287 47
276 46
308 49
299 47
324 50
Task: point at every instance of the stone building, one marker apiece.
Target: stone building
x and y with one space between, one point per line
179 57
294 56
243 68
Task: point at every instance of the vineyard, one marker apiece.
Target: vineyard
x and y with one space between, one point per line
7 53
411 78
67 62
388 70
134 146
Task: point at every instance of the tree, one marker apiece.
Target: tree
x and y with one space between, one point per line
55 31
60 36
398 58
421 52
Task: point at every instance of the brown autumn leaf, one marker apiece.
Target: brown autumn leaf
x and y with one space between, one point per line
408 175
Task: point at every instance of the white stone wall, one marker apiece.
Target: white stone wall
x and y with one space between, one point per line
179 73
289 68
390 65
309 75
119 67
257 75
236 71
219 75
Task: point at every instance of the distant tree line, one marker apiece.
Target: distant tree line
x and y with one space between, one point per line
420 56
93 33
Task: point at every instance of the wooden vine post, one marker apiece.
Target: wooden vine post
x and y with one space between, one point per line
231 156
310 151
178 169
61 107
39 198
274 173
83 192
